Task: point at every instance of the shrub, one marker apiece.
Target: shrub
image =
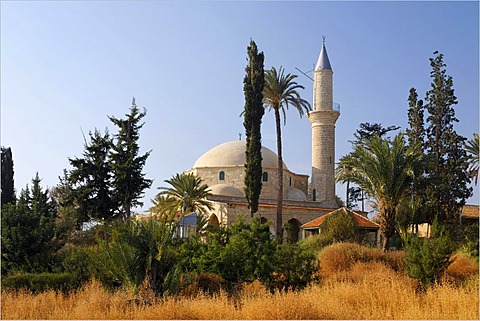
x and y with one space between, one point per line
427 258
39 282
294 268
462 268
343 256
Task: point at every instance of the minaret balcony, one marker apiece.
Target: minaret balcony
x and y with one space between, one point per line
323 106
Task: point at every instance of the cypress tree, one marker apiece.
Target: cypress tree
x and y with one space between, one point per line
446 160
8 189
253 84
129 181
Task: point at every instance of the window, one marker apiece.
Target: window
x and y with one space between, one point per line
314 194
290 181
221 176
265 177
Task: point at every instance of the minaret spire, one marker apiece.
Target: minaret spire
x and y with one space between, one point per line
323 118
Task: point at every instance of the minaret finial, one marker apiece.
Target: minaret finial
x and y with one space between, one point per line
324 40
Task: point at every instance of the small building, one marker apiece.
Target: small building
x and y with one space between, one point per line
367 229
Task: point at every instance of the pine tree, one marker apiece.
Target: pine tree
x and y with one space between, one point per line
446 160
8 189
129 181
29 231
253 84
92 180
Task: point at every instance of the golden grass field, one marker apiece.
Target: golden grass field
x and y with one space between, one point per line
368 288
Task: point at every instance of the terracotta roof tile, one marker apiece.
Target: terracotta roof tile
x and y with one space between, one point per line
470 211
358 219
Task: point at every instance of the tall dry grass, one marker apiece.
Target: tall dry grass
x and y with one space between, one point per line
367 287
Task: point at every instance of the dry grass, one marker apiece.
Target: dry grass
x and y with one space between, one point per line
369 287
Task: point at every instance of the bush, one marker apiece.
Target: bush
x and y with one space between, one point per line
462 268
39 282
340 257
426 259
294 268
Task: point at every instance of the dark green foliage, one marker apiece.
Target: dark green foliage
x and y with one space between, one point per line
129 182
427 258
415 131
8 188
241 253
29 238
338 227
39 282
253 84
368 130
88 186
294 268
446 160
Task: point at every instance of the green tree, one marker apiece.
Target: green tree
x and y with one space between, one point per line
427 258
129 182
446 160
186 193
253 85
8 188
279 93
367 131
29 232
472 148
384 171
90 182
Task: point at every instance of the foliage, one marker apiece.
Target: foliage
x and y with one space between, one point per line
187 193
7 181
280 91
88 187
383 170
473 149
253 84
294 268
240 253
339 227
39 282
446 160
368 131
128 180
29 235
426 259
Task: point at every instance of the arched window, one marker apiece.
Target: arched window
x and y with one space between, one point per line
314 194
221 175
290 181
265 177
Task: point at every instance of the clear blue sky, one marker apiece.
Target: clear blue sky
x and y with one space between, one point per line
66 65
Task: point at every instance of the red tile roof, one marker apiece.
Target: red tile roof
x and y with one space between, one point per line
358 219
470 211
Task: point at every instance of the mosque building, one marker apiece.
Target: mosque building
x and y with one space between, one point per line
222 168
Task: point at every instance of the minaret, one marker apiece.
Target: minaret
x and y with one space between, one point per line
323 117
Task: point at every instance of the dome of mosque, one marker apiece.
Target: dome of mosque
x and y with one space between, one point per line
233 154
226 190
295 194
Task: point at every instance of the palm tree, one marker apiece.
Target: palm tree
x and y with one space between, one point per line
280 91
187 193
472 148
384 171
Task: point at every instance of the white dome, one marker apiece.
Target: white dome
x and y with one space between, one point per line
295 194
233 154
226 190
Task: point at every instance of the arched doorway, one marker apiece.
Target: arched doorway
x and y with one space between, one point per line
213 221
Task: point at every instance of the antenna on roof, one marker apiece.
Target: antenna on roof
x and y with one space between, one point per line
305 74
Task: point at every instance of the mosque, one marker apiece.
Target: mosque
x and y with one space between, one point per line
222 168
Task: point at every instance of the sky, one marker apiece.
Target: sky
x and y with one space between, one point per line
68 65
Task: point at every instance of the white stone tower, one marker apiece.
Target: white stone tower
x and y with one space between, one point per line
323 117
